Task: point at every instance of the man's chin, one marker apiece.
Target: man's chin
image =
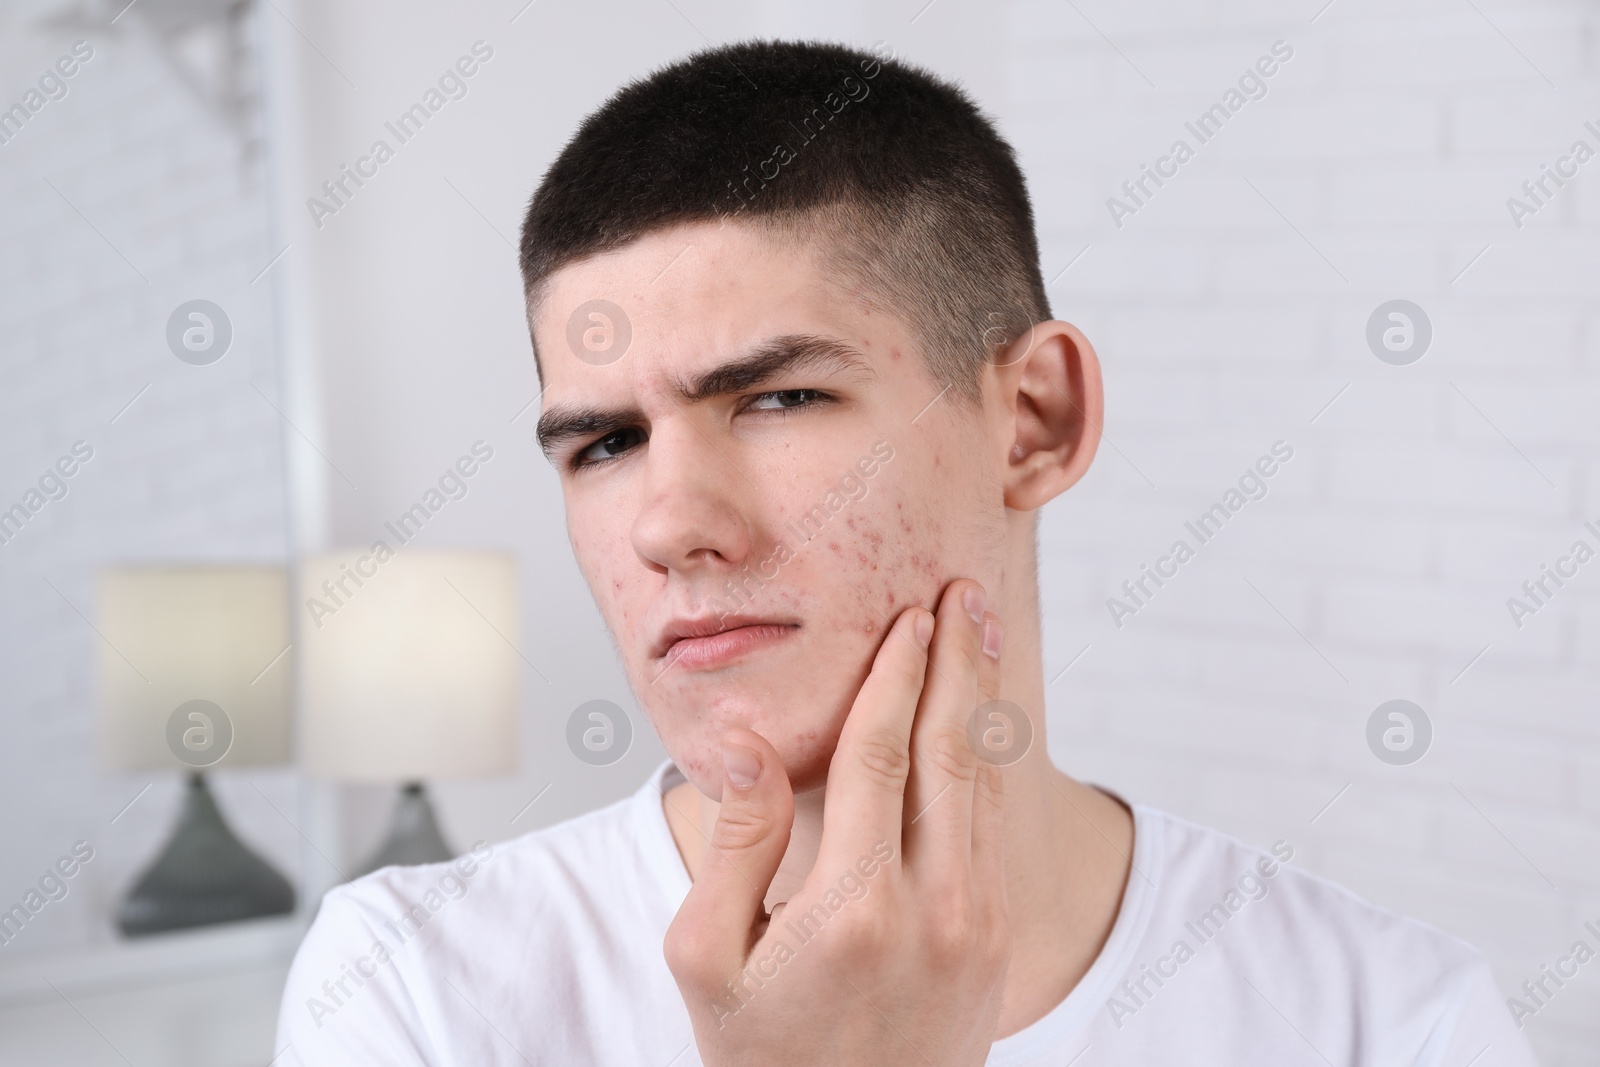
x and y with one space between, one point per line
806 761
805 756
793 709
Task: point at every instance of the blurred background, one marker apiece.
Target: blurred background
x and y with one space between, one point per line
240 346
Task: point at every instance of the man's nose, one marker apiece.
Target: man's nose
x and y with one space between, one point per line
694 512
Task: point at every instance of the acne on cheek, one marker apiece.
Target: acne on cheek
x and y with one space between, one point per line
610 584
892 570
874 541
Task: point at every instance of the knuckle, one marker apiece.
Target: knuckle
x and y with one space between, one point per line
859 938
740 827
871 928
688 955
948 752
884 759
954 938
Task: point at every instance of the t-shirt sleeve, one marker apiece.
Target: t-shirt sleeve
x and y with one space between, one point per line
1482 1031
346 1000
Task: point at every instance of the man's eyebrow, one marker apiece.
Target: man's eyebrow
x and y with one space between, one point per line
769 359
559 424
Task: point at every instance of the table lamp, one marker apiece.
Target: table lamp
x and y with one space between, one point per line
191 676
409 672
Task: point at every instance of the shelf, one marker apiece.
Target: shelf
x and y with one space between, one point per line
226 948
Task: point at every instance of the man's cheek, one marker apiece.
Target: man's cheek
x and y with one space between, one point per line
912 549
885 570
602 560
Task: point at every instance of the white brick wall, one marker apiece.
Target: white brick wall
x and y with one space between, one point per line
192 471
1393 538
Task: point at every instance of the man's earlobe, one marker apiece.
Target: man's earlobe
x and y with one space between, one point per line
1057 414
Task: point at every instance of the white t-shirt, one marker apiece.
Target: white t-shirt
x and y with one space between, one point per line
547 950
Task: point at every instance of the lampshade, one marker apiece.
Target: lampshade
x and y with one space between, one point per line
409 664
175 634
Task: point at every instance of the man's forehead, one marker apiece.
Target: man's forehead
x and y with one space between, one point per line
675 303
685 263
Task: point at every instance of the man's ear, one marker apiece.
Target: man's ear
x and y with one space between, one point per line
1048 382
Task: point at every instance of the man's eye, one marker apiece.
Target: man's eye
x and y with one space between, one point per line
785 399
610 446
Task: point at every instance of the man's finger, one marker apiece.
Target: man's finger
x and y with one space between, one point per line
943 764
989 841
988 794
867 777
712 932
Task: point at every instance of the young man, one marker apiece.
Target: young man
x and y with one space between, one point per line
806 397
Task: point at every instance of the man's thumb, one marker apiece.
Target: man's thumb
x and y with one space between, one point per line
747 844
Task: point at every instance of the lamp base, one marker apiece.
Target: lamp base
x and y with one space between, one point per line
204 875
414 836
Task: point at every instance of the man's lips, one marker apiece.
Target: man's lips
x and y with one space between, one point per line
692 644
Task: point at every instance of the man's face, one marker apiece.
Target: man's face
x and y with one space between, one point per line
757 487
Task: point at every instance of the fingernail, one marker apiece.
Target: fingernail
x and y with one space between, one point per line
923 628
993 633
973 601
741 765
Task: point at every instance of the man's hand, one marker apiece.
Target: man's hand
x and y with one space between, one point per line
894 951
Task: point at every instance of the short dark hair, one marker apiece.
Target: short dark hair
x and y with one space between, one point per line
901 181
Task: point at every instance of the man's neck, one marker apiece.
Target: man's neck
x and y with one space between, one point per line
1068 854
